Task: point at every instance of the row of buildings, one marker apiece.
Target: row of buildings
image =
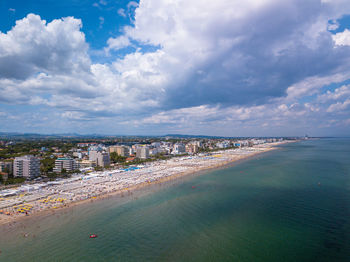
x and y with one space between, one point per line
145 151
100 155
24 166
29 166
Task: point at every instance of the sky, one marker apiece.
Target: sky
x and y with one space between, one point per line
156 67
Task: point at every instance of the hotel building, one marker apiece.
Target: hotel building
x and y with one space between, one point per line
67 164
26 166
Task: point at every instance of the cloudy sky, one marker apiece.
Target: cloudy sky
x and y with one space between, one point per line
223 67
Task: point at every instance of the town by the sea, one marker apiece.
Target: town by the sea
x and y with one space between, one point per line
289 204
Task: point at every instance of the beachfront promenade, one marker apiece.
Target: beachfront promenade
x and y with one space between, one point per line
31 199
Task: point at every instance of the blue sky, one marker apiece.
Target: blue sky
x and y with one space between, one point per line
228 68
99 18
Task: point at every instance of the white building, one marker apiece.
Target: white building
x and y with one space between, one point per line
156 144
153 151
93 155
103 159
78 155
179 149
242 143
197 143
223 144
67 164
142 152
192 148
26 166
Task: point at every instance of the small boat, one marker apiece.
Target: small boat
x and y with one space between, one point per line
93 236
193 187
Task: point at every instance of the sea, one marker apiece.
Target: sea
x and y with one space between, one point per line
290 204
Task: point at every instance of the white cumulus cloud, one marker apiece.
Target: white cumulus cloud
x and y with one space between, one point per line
219 62
118 43
342 38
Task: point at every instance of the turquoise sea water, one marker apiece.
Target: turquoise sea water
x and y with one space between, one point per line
292 204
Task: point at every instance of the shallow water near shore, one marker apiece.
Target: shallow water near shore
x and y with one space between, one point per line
291 204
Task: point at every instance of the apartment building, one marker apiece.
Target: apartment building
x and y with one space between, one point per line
142 152
26 166
120 150
67 164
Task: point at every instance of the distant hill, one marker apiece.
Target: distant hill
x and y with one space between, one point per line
195 136
24 136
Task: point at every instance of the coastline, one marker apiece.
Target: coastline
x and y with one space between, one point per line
232 158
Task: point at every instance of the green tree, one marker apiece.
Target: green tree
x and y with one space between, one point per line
7 170
115 158
47 165
16 180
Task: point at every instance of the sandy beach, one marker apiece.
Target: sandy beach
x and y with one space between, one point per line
45 198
